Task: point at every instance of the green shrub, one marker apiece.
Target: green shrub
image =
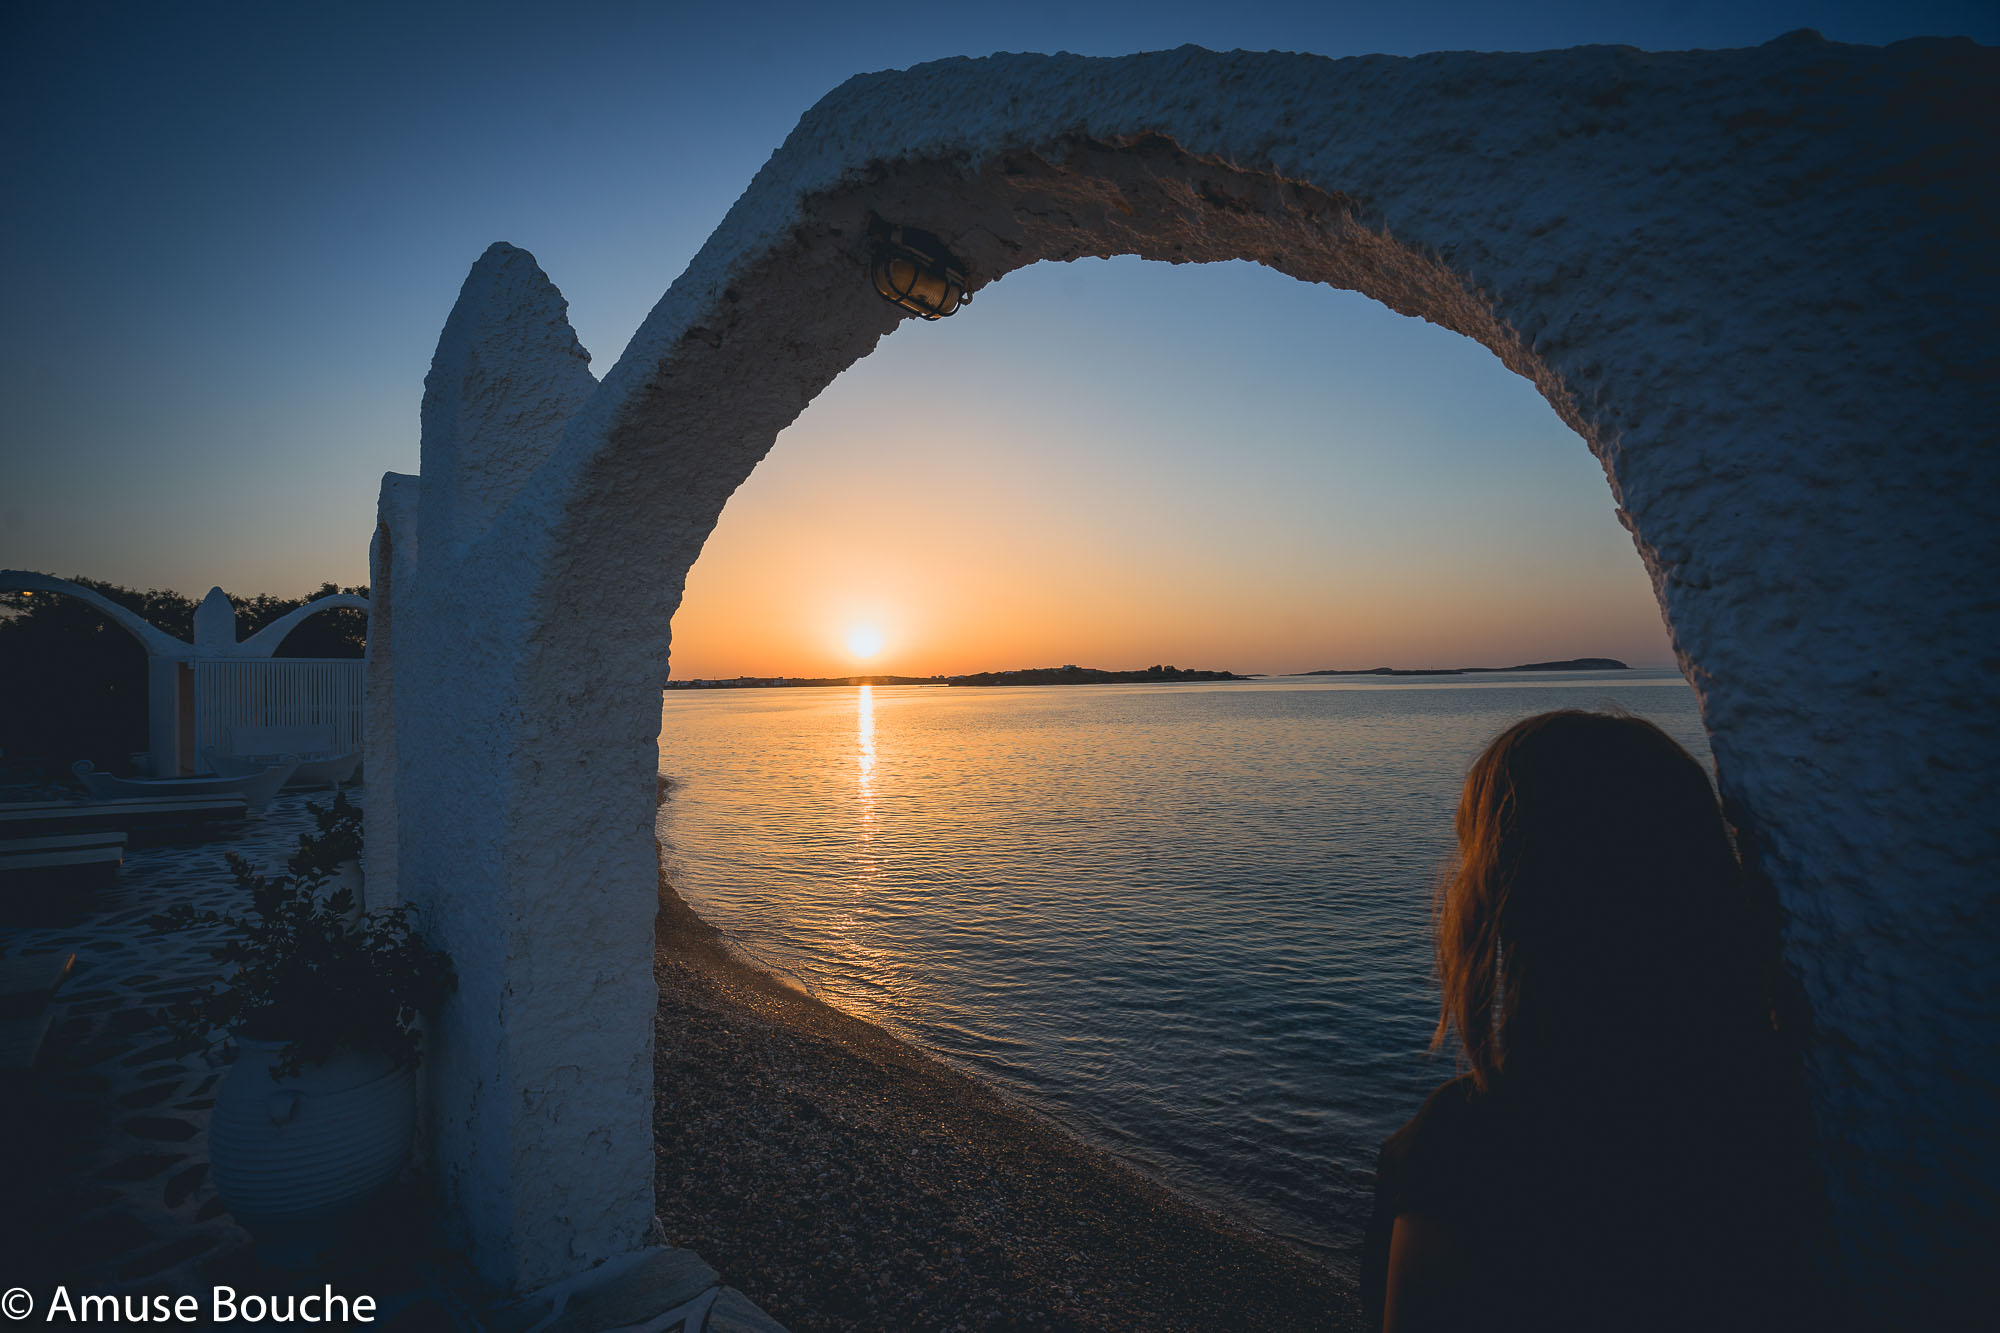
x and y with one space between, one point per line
302 971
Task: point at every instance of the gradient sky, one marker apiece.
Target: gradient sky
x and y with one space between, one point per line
236 232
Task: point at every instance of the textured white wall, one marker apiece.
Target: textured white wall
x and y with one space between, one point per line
1756 283
392 555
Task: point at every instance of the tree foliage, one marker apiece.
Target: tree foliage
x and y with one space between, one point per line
73 684
329 634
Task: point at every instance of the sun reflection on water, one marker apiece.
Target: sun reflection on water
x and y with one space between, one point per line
869 981
865 766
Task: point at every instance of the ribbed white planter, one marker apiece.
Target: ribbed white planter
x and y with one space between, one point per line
347 875
294 1158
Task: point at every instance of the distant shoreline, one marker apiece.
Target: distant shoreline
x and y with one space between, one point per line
1155 675
1571 664
1062 675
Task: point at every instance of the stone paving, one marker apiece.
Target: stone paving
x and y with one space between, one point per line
128 1200
106 1143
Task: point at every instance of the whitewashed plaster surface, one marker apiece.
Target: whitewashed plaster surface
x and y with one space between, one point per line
392 555
214 638
1759 284
214 619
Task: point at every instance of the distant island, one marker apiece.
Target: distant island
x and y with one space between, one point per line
1082 675
1573 664
1076 675
1062 675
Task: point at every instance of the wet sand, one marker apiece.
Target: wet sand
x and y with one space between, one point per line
845 1180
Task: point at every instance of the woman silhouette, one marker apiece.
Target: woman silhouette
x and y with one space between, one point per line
1625 1150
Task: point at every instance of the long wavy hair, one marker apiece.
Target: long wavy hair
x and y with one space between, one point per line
1596 922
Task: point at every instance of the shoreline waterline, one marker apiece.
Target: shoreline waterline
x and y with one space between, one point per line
1230 1210
1190 922
845 1178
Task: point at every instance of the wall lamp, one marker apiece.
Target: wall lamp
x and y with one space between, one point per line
913 269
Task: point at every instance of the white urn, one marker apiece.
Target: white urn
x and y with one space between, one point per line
294 1158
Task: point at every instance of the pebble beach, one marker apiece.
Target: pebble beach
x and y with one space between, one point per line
848 1181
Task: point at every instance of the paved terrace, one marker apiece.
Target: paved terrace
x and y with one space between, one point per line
105 1151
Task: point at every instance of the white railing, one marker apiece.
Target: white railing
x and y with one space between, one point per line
278 692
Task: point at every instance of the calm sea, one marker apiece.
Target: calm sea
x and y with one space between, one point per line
1188 921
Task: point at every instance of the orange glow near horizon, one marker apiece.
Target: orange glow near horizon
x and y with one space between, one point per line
943 592
1048 491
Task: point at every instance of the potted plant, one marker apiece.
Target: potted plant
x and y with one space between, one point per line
320 1002
335 851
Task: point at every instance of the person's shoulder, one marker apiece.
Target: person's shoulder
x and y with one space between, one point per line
1452 1110
1434 1167
1445 1146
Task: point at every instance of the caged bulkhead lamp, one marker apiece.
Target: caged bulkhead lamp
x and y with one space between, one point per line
913 269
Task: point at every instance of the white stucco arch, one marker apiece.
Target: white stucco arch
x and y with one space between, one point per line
1752 281
266 641
215 619
167 657
156 641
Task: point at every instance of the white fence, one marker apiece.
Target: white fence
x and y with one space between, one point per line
278 692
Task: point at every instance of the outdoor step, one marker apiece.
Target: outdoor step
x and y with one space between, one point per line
663 1289
67 858
137 805
61 841
58 818
49 888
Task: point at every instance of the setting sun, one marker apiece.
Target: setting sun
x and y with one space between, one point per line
864 641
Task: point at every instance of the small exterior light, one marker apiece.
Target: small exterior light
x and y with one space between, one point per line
915 271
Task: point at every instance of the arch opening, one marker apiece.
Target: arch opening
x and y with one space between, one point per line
1188 451
891 964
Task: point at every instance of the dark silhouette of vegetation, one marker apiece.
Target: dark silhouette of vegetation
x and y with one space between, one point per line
1568 664
341 633
1079 675
75 683
305 968
1062 675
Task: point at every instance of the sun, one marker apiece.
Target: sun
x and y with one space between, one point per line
864 641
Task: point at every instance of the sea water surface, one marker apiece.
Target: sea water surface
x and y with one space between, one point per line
1188 921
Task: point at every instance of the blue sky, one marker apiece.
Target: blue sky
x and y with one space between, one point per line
236 233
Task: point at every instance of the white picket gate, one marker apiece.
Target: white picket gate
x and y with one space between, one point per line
278 692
